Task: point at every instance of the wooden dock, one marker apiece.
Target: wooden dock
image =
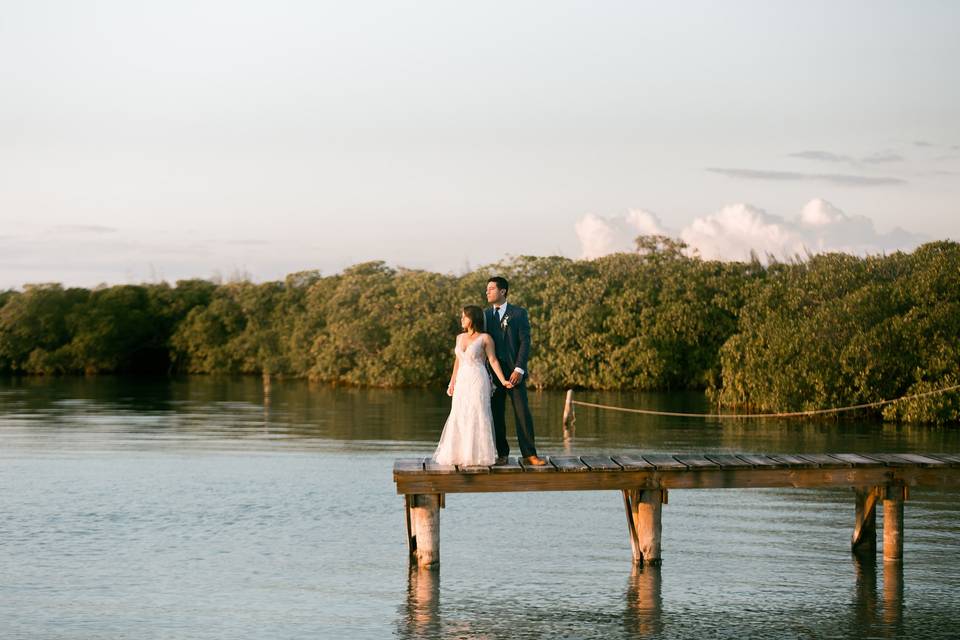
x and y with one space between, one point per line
644 481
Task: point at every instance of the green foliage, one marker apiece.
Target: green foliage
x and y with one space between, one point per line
50 330
34 328
828 331
838 330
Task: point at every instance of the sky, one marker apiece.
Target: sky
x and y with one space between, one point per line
150 141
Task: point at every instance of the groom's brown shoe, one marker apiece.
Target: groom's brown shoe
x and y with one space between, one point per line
534 461
501 460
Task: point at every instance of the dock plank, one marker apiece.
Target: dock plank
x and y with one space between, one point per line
473 468
952 459
429 466
511 466
697 462
758 460
729 461
857 460
532 468
824 461
632 463
568 463
408 465
893 459
794 461
600 463
922 460
663 462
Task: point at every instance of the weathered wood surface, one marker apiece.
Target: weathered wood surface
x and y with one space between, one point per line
512 466
683 471
644 523
568 463
893 523
423 513
865 523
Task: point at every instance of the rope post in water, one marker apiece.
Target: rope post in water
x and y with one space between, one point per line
568 414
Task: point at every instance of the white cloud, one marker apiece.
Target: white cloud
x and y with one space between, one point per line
600 236
819 213
737 230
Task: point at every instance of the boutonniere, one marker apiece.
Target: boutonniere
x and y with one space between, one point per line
505 322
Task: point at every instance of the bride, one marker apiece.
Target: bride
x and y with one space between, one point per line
467 437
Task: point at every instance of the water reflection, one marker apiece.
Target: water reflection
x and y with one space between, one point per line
642 617
865 591
118 434
421 613
568 434
870 620
235 408
893 598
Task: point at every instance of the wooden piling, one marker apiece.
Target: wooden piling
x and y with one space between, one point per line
568 413
425 530
864 537
893 523
628 500
644 509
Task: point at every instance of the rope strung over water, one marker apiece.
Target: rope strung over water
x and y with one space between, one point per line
790 414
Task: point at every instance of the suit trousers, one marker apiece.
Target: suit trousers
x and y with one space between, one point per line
521 414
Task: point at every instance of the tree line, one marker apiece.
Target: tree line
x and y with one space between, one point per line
821 331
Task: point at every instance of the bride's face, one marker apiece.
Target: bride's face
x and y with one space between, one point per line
464 321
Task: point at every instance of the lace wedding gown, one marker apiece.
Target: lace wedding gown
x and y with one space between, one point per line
467 437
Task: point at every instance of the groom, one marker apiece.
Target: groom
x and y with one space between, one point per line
510 329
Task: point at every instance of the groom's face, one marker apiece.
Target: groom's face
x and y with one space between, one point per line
494 294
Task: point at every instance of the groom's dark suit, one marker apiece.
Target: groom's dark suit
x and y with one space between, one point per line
511 337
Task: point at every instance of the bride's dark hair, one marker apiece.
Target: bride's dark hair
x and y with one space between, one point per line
475 314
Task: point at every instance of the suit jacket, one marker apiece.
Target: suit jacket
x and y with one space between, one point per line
511 338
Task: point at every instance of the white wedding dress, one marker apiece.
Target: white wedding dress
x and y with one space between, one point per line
467 437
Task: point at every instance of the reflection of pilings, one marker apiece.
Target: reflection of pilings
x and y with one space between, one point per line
267 387
644 602
568 440
893 595
868 621
865 607
422 615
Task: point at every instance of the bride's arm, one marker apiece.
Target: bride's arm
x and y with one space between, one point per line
492 359
456 365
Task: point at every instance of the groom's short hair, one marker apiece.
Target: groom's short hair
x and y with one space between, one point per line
501 283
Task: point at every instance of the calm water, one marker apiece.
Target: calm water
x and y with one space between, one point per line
189 509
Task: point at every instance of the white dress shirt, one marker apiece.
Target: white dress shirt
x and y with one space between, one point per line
499 315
